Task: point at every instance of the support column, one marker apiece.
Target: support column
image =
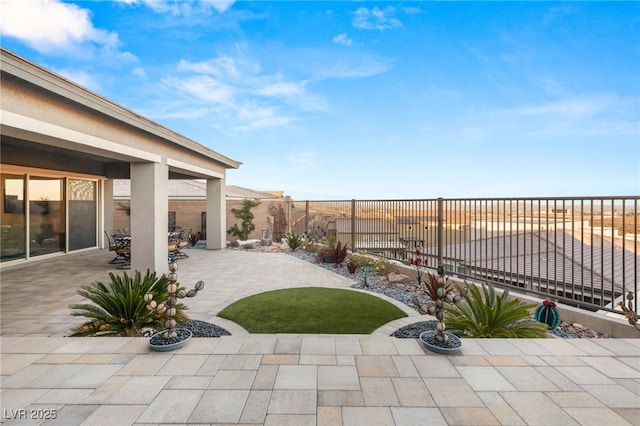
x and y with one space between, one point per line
216 214
149 217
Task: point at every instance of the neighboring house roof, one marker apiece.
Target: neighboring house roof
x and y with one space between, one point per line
234 191
557 257
191 190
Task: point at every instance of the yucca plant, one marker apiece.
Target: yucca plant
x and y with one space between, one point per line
487 314
119 306
293 240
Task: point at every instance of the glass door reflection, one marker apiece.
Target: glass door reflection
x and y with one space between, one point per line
46 215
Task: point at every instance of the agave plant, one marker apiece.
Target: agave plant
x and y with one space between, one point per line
119 307
487 314
293 240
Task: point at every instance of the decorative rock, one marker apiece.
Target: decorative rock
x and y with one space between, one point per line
577 326
396 278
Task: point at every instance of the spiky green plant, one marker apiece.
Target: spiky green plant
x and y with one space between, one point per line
293 240
487 314
119 307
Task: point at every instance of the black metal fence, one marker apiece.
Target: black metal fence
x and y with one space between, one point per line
580 251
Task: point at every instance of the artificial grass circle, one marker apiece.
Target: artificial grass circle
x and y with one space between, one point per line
312 310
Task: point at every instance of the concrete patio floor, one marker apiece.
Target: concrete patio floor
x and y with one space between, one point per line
296 380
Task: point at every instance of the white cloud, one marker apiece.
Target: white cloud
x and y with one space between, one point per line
283 89
375 19
140 72
235 91
365 67
569 108
221 66
204 88
50 24
343 39
183 7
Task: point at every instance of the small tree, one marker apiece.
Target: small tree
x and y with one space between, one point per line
247 226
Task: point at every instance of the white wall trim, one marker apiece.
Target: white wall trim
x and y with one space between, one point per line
193 169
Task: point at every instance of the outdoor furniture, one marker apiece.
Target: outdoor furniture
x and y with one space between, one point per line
121 245
178 239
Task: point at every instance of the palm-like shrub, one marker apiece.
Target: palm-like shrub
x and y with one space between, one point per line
293 240
119 307
486 314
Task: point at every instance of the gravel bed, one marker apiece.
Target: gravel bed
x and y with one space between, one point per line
375 283
204 329
379 284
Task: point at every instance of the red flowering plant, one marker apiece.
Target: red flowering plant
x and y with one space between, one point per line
419 262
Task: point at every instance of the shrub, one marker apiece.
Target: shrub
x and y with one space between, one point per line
247 226
378 265
486 314
352 267
384 267
293 240
337 252
120 308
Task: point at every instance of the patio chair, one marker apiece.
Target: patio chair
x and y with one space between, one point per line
121 247
181 242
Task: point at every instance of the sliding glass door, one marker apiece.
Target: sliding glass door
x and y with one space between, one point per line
12 227
47 227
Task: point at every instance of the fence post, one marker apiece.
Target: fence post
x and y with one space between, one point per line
439 233
353 225
306 216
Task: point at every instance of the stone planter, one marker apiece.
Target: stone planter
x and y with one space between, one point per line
452 346
157 343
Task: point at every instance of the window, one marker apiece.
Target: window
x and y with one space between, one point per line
47 228
82 214
12 231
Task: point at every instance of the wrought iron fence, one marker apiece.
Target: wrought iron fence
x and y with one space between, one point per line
580 251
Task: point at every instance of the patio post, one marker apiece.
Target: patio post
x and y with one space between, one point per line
216 214
149 216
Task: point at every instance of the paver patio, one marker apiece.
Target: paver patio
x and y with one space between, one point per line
286 379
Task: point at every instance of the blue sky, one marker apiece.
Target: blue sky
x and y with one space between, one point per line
375 100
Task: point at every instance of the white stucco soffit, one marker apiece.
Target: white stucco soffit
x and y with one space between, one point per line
49 130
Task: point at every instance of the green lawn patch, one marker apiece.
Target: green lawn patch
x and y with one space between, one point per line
312 310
